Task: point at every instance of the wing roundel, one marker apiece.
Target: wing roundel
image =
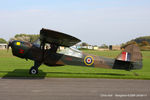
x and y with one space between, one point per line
58 38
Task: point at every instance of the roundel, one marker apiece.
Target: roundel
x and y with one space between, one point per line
88 60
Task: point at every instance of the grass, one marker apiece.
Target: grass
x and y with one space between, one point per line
11 66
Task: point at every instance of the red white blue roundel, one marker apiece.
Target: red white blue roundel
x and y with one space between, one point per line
88 60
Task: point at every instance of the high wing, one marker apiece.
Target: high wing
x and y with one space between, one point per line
58 38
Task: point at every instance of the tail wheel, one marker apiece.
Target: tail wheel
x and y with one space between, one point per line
33 70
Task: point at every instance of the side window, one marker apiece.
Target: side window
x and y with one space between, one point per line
69 51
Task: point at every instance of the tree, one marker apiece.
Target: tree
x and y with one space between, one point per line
84 44
144 38
2 40
144 43
25 37
103 46
129 43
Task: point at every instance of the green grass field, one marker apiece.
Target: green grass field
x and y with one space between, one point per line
11 66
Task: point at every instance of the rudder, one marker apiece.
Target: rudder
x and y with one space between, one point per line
129 59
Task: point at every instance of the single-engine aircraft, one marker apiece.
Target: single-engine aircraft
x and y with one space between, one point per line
129 59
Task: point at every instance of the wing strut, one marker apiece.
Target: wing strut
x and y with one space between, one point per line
43 51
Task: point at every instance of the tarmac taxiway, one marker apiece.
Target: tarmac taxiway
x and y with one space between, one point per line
74 89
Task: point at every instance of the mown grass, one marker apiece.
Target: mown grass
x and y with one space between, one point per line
11 66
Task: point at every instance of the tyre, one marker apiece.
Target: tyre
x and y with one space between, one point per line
33 71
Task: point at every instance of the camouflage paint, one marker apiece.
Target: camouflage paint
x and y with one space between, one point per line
49 57
29 51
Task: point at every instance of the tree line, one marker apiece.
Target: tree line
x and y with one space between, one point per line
22 37
26 37
2 40
142 42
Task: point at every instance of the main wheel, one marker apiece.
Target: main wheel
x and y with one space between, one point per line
33 70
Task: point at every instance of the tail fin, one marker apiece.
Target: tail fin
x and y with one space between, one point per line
129 59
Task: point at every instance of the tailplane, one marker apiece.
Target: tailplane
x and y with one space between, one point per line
129 59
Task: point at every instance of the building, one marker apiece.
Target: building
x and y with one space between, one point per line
61 47
3 45
114 47
84 47
90 47
95 47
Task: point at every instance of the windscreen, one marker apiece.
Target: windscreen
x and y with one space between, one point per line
37 43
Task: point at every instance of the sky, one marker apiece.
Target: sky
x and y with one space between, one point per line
96 22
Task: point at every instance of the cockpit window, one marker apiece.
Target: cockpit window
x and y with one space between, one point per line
70 51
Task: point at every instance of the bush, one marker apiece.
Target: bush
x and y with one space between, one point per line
26 37
2 40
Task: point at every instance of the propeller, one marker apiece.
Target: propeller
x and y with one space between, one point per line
9 45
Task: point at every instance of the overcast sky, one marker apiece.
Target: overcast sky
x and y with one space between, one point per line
93 21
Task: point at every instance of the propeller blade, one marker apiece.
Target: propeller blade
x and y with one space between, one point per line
9 45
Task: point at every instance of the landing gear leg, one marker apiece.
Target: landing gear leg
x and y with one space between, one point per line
34 69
